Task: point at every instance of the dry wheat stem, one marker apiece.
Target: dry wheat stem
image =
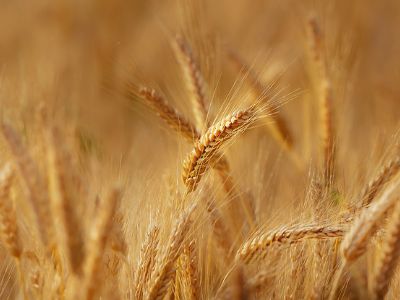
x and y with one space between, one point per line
8 218
286 235
194 81
389 257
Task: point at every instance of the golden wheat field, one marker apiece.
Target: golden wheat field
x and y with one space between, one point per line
188 149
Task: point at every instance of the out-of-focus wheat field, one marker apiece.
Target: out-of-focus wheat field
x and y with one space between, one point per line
199 149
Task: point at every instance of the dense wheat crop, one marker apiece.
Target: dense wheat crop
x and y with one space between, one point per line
199 149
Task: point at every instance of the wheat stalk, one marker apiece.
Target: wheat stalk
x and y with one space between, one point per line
286 235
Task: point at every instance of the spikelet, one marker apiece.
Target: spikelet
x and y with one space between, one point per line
194 81
169 114
198 161
98 240
389 257
8 218
147 261
64 195
286 235
167 269
35 185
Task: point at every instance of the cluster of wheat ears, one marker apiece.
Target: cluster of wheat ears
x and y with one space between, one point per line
226 217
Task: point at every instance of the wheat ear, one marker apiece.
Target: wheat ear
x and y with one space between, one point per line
389 258
198 161
63 195
176 121
35 185
167 270
356 239
376 184
190 269
147 261
194 81
286 235
8 218
99 236
325 99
